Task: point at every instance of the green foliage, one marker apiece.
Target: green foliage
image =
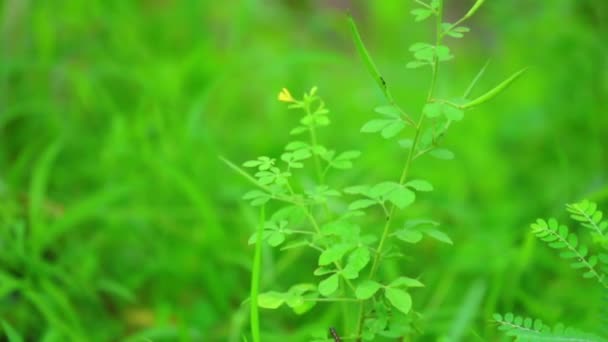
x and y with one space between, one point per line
310 212
558 237
525 329
118 223
579 256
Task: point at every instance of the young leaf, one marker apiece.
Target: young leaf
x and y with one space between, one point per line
400 299
433 110
406 281
443 53
442 153
329 285
275 238
393 129
334 253
401 197
416 64
367 289
375 125
453 113
421 13
420 185
382 189
271 300
361 204
357 260
408 235
390 111
438 235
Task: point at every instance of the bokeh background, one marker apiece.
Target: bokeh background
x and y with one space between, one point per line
119 222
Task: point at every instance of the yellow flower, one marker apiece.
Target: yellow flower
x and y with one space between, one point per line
285 96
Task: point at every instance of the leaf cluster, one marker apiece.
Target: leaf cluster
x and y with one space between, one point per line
525 329
327 220
593 263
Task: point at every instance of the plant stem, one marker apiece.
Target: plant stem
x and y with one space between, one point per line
317 162
255 280
406 168
313 141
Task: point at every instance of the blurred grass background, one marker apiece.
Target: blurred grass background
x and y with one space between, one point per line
118 222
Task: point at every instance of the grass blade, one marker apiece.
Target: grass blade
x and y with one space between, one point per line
255 280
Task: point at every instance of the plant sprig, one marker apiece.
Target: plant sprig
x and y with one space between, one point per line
592 261
326 220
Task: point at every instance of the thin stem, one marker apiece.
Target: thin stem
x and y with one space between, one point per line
256 183
317 162
406 168
313 141
255 280
318 230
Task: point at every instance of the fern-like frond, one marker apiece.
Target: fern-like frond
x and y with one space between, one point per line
558 236
525 329
590 217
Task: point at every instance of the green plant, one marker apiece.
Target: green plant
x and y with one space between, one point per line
593 263
310 212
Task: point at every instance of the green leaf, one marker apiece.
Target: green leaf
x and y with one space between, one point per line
367 289
420 185
271 300
298 130
416 64
401 197
420 222
296 145
436 109
304 307
375 125
442 153
433 110
423 52
275 239
357 260
438 235
361 204
334 253
329 285
421 13
390 111
443 53
323 271
408 235
382 189
347 155
453 113
400 299
356 189
393 129
252 163
406 281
